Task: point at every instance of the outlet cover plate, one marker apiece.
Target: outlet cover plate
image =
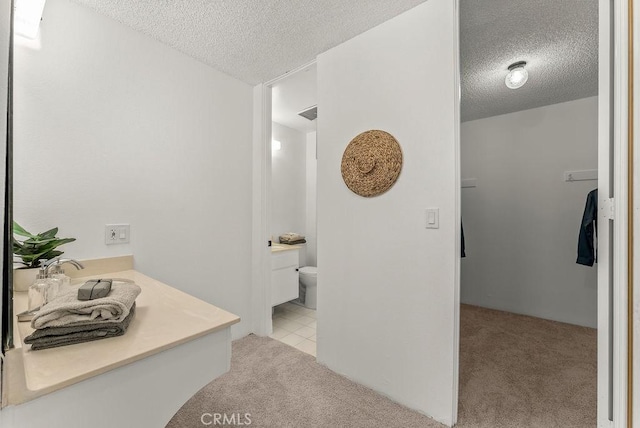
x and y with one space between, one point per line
116 234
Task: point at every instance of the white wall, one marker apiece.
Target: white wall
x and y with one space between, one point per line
522 221
112 126
288 176
312 185
386 283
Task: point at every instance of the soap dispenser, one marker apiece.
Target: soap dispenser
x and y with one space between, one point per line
42 290
55 272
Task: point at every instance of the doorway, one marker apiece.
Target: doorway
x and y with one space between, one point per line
291 220
540 326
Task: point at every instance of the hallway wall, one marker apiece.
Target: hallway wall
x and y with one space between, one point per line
386 284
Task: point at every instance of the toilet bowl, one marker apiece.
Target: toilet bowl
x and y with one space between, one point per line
309 279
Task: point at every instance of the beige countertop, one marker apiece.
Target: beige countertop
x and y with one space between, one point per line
165 318
276 248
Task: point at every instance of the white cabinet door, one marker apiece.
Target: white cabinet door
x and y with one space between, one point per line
284 277
284 285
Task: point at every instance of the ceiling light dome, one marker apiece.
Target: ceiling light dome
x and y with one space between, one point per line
517 75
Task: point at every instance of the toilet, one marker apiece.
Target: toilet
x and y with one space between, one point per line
309 279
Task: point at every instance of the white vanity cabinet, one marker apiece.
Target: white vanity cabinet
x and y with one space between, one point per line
284 276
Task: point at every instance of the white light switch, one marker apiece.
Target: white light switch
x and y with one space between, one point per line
116 234
433 220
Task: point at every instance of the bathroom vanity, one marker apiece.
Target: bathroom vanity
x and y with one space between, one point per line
285 261
175 345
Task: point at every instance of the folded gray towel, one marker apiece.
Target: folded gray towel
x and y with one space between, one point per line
52 337
66 310
299 241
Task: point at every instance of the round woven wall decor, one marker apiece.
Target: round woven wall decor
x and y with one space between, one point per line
371 163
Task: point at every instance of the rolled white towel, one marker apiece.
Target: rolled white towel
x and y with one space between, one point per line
66 310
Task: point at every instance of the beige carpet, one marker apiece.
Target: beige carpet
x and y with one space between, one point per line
516 371
281 386
519 371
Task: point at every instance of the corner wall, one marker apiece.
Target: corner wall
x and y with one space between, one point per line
522 221
386 284
114 127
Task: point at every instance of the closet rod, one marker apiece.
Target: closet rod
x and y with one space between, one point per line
584 175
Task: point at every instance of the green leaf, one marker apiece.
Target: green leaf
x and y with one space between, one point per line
43 241
49 245
37 247
31 260
45 255
16 245
51 233
52 254
62 241
19 230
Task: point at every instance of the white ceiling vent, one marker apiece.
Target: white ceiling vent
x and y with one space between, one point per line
310 113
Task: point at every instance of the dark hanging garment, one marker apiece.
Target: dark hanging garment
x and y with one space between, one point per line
462 243
588 230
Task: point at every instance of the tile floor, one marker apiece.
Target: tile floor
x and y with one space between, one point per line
295 325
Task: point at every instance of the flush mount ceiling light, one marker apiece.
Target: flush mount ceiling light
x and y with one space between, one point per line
275 145
517 75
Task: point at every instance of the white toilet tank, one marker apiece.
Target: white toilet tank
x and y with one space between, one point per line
309 278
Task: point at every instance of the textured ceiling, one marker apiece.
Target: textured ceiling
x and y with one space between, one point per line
252 40
258 40
557 38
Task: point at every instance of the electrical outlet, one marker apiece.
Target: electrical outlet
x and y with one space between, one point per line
116 234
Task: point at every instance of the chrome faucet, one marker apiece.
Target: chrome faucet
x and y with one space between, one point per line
56 263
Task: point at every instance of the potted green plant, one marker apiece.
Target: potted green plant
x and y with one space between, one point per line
30 249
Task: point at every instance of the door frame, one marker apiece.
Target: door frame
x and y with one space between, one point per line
634 282
614 124
457 116
261 235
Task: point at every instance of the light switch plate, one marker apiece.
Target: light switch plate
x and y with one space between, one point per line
432 218
116 234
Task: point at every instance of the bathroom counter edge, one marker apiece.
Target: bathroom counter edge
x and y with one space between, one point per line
165 318
277 248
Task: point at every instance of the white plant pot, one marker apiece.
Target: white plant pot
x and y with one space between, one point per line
23 278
